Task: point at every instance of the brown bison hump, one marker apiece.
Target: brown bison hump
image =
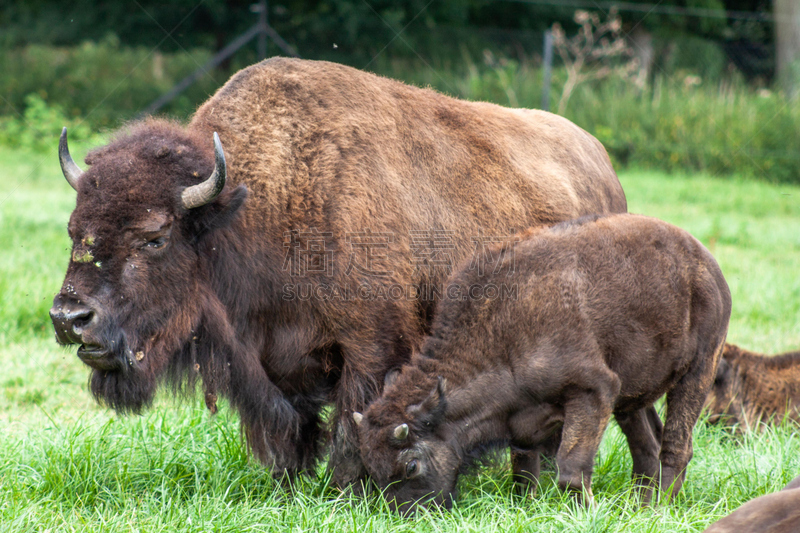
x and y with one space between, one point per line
330 137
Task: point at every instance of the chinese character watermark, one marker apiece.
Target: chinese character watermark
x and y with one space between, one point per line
369 252
432 249
307 253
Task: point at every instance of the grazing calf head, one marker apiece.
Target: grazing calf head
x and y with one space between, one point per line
724 403
404 449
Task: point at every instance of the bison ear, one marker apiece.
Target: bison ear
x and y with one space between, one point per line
391 377
431 409
723 371
219 213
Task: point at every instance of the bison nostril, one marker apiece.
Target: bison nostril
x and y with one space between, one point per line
81 320
70 319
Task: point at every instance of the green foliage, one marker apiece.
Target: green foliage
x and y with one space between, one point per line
99 84
723 129
682 122
39 125
691 54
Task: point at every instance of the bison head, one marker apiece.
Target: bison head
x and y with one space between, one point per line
405 451
136 289
724 403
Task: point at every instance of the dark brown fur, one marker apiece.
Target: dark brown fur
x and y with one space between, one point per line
311 147
610 314
752 389
778 512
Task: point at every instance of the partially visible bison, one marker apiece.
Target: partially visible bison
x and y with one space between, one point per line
751 389
778 512
297 265
606 315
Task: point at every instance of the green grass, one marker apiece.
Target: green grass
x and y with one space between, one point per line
67 464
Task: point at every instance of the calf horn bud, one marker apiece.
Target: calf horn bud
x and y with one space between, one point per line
358 417
401 432
68 166
203 193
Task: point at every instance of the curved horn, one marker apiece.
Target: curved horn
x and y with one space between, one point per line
68 166
358 417
202 193
401 432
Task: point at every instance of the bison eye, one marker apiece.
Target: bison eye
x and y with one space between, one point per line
157 243
412 467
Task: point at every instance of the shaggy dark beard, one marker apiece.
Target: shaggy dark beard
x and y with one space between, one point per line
285 433
125 392
127 389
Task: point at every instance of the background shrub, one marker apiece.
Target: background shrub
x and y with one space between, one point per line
101 84
693 115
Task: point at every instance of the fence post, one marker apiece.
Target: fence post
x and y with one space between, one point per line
261 30
548 67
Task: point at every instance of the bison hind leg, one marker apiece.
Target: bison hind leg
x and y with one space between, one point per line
643 430
684 403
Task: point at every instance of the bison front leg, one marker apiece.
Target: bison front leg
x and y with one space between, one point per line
526 465
272 430
356 388
345 461
586 415
281 433
310 439
643 430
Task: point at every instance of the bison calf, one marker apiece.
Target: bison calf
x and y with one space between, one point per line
600 315
778 512
751 388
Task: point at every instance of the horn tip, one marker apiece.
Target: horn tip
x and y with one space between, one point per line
218 145
401 432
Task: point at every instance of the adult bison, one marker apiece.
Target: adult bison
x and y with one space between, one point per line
302 263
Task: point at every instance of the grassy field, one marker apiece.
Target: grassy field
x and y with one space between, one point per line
68 465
